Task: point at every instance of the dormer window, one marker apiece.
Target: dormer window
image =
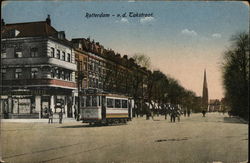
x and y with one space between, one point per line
61 35
14 33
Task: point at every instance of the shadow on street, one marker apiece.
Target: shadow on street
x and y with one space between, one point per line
90 126
233 120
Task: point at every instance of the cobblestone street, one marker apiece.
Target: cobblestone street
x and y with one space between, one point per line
214 138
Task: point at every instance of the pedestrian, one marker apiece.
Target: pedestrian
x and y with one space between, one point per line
178 114
188 112
185 112
60 117
173 115
50 115
204 113
165 112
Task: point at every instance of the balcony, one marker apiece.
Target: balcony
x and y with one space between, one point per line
39 82
36 61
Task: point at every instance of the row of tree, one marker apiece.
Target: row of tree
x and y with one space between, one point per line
164 89
236 76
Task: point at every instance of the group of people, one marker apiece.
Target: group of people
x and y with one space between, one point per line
50 113
174 111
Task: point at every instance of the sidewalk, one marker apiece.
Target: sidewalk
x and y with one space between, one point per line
65 120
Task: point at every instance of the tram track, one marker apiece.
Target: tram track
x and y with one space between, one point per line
59 148
43 150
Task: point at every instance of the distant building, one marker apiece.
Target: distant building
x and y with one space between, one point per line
214 105
38 70
205 93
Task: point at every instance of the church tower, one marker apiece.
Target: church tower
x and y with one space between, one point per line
205 93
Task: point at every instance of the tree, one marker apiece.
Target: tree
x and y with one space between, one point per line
235 68
142 60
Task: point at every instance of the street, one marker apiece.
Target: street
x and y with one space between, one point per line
195 139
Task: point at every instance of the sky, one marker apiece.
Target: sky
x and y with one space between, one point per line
182 38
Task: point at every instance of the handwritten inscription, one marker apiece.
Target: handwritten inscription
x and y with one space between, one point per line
118 15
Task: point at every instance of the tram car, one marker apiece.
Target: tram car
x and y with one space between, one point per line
103 108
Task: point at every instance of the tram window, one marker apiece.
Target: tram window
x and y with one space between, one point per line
110 103
124 104
94 100
117 103
88 101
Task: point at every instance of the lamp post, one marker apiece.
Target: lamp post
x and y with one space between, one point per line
79 83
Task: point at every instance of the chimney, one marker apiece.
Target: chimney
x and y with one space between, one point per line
48 21
2 22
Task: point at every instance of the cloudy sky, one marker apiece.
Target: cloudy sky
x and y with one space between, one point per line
181 38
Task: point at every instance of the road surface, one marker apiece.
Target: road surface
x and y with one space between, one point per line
196 139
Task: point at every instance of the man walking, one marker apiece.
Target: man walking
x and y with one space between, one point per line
50 113
60 117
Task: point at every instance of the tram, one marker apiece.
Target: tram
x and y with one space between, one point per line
105 108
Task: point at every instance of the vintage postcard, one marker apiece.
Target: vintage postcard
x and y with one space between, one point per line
124 82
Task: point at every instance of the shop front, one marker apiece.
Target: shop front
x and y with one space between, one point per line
31 103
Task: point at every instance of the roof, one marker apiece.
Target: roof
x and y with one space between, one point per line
29 29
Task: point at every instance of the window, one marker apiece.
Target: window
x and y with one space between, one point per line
3 55
52 51
58 54
18 54
124 104
63 75
34 72
34 52
3 73
94 100
117 103
88 101
63 56
18 73
68 57
52 73
110 103
57 74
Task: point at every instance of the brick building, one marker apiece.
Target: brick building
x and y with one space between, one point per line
38 70
41 69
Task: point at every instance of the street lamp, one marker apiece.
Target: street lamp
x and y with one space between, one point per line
81 76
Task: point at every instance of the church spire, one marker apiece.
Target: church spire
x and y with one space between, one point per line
205 93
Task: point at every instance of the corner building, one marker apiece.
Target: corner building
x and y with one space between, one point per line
37 71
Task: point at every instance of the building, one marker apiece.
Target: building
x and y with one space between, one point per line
205 93
38 70
108 71
214 105
41 69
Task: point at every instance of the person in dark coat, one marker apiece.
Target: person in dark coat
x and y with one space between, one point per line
50 115
60 116
172 115
204 113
